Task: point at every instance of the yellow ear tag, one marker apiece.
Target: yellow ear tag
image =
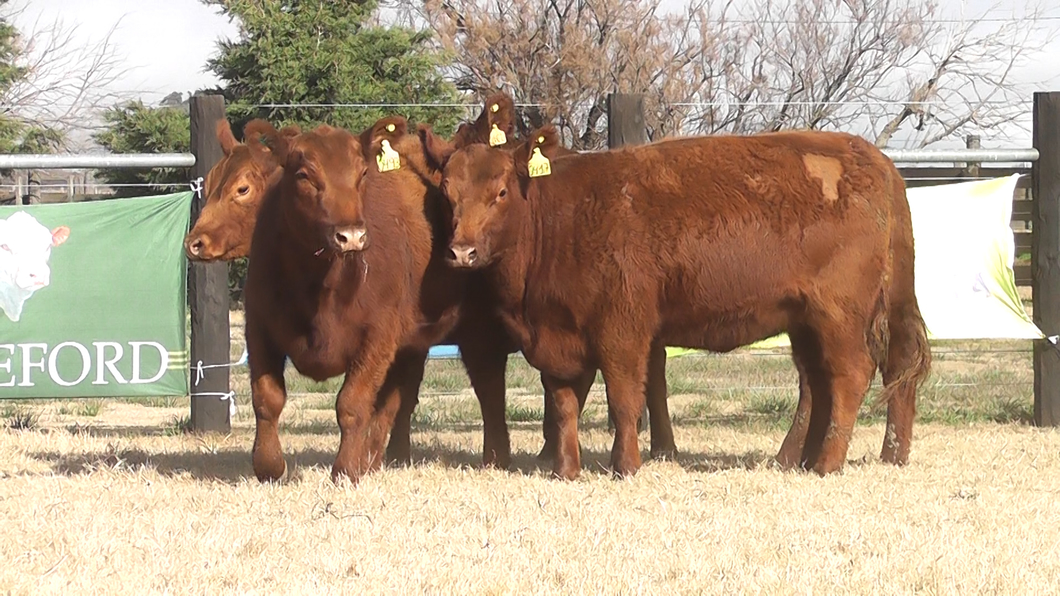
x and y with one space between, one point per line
497 137
494 108
539 164
388 159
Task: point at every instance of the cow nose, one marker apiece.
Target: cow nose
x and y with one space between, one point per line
465 256
194 247
349 238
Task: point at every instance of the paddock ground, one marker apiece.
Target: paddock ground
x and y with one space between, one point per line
111 496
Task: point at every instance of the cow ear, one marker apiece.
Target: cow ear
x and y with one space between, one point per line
354 147
60 235
500 115
533 158
257 134
545 138
391 128
277 142
225 136
437 150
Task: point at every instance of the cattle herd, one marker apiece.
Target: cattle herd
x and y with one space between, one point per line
367 249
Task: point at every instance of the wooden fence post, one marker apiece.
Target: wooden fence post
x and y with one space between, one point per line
972 142
1045 256
208 287
625 126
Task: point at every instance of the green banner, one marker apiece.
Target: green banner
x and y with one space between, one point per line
92 298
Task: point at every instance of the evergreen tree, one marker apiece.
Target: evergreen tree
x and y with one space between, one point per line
314 52
136 128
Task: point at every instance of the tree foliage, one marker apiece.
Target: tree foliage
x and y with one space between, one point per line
315 52
135 128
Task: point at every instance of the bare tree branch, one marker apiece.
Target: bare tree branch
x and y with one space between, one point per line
895 71
67 84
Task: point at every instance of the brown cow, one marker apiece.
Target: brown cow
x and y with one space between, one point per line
234 189
709 243
314 295
236 186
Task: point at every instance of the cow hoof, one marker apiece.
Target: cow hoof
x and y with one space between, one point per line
548 452
399 459
565 472
269 474
668 454
782 464
497 462
823 469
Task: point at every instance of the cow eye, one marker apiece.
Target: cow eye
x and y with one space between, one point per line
242 190
301 175
500 197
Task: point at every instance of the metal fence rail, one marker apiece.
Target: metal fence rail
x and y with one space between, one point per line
32 161
58 161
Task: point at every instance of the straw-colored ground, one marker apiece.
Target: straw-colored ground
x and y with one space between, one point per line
112 511
112 497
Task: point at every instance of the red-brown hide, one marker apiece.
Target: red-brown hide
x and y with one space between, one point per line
234 189
322 292
709 243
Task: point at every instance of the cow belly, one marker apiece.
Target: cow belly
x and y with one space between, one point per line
723 332
319 365
558 353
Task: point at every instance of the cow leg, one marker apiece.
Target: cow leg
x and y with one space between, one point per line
803 349
549 426
365 414
408 371
567 463
625 399
268 394
581 385
908 361
839 381
662 432
485 367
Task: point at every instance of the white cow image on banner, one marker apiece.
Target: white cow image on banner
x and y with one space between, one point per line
25 248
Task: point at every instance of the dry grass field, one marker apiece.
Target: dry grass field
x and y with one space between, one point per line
112 497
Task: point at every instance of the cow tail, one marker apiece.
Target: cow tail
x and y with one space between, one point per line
914 363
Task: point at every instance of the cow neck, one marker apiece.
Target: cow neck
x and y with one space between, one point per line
302 258
511 269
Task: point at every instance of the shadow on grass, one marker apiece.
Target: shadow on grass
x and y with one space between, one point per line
233 466
228 466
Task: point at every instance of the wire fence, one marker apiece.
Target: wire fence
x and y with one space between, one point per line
990 383
990 371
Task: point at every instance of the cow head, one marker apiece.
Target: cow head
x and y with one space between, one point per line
25 248
487 188
235 188
497 113
321 188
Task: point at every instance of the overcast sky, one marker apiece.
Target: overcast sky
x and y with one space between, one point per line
166 42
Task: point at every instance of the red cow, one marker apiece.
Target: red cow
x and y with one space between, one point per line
234 189
341 281
709 243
